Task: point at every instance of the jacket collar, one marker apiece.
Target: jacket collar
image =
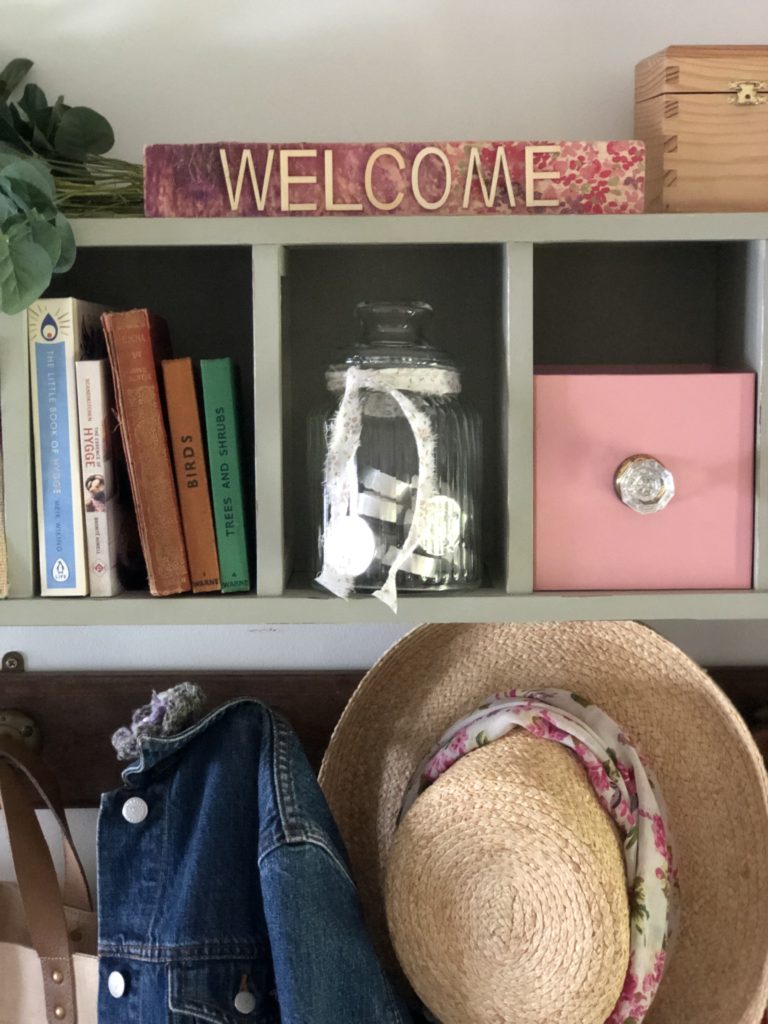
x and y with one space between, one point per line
153 750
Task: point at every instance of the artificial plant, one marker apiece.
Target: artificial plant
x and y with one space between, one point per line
52 164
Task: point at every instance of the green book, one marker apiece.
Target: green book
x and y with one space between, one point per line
222 435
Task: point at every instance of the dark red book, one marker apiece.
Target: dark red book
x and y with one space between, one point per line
137 341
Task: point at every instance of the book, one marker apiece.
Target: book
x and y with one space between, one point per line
137 340
102 507
411 179
60 331
188 450
222 433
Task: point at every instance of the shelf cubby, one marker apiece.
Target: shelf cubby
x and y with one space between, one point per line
509 292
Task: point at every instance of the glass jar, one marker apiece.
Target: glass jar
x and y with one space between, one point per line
395 464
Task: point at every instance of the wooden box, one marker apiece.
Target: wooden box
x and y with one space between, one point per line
702 112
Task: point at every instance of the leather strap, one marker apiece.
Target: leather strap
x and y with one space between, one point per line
41 896
75 889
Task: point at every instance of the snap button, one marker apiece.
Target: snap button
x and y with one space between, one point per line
135 810
116 984
245 1002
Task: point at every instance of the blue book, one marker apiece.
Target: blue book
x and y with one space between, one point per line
60 332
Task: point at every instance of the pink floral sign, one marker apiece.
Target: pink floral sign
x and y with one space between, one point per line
407 179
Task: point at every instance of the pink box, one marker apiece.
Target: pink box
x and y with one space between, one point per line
698 423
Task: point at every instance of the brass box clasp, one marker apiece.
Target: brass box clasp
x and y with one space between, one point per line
747 93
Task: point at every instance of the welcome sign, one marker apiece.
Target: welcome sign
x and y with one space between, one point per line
234 179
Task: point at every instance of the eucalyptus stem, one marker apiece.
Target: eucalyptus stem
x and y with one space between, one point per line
101 186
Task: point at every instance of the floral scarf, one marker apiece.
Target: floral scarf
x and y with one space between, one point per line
624 789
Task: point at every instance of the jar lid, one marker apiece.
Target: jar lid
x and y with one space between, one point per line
393 334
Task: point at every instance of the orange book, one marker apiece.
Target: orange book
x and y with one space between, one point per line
136 341
188 451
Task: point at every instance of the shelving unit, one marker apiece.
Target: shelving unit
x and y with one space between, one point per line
277 295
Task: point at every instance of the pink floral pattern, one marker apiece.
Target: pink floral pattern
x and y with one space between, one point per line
626 792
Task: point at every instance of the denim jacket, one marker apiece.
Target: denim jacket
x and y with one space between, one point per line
224 891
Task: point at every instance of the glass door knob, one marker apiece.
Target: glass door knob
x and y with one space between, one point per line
644 484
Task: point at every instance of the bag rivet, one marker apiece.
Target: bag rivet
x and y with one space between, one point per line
58 977
59 1012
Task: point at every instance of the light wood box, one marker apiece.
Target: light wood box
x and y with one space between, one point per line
702 112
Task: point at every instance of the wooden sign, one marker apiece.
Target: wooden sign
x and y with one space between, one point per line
408 179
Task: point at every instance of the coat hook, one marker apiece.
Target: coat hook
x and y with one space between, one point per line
20 727
13 661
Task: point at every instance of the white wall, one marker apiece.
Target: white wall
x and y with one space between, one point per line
305 70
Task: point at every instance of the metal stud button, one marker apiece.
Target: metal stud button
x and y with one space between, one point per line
245 1002
135 810
59 1012
116 984
57 976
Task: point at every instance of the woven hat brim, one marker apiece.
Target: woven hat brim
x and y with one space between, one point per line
708 768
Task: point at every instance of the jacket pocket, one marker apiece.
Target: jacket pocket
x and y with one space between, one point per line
222 992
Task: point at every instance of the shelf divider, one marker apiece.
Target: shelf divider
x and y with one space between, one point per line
268 265
743 336
757 334
18 457
517 406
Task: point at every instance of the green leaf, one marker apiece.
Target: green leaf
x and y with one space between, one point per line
32 174
67 238
482 739
12 74
46 235
8 131
7 208
22 127
82 131
581 700
33 100
58 110
40 142
25 269
28 197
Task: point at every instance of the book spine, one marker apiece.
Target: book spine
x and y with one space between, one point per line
53 333
102 511
188 450
134 343
223 439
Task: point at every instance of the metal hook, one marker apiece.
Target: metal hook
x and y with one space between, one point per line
20 727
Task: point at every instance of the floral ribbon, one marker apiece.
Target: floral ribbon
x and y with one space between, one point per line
626 792
341 482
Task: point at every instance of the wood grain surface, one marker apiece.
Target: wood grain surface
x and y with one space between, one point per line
77 712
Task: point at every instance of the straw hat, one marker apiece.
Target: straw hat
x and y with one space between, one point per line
504 884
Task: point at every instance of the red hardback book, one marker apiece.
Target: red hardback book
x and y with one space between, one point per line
137 341
188 449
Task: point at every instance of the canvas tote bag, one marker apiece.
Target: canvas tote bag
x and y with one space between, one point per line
48 966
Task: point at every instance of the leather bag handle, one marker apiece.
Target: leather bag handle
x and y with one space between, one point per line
40 895
75 889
